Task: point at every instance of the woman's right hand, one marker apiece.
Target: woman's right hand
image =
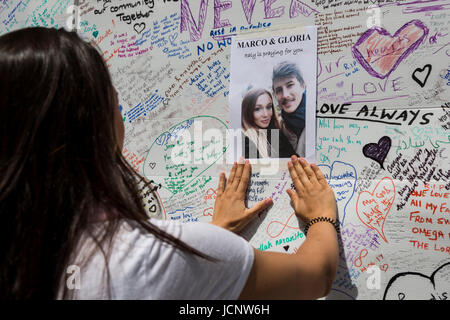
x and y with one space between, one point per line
230 211
313 196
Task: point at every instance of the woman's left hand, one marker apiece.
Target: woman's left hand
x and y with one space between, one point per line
229 209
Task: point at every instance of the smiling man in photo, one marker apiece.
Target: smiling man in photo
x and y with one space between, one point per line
290 91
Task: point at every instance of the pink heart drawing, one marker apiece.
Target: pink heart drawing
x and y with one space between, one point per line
372 208
380 53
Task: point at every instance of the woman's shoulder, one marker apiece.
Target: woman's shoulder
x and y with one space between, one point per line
190 229
205 236
195 234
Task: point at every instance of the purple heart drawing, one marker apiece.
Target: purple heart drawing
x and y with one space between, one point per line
378 151
380 53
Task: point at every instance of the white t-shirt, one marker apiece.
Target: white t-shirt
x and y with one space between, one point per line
143 267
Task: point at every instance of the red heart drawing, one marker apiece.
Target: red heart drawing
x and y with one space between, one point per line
372 208
380 53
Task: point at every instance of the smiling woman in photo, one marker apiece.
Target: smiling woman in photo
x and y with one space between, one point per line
259 120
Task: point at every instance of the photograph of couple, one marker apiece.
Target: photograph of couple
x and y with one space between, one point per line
273 95
258 112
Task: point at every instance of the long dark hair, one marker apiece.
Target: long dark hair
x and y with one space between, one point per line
60 160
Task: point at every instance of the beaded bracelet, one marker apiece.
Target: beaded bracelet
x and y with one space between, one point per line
319 219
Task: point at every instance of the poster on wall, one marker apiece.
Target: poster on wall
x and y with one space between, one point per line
273 93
